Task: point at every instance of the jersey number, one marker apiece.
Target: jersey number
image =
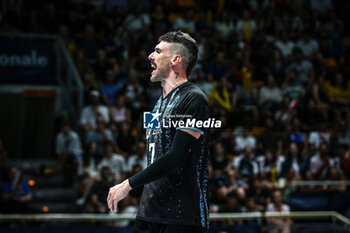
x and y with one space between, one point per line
152 150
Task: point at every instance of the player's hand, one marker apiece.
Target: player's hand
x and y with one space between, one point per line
117 193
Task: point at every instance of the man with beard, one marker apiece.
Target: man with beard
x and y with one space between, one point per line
174 198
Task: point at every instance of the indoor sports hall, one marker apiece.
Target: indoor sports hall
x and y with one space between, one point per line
79 104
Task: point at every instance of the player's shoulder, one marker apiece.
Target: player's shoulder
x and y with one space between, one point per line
194 92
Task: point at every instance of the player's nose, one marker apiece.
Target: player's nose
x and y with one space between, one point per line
150 57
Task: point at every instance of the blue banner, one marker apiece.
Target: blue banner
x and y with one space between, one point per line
27 62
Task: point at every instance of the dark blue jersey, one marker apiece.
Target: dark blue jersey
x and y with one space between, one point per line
182 196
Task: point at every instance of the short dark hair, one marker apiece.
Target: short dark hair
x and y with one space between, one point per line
189 44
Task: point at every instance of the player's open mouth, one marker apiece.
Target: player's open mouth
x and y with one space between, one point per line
154 66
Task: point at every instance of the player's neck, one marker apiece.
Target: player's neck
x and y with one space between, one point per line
173 81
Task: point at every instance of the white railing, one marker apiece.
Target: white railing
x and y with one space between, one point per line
320 183
334 216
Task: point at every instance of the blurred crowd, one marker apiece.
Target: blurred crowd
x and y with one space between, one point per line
276 72
15 193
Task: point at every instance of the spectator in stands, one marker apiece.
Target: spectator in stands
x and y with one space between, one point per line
15 192
282 225
115 46
3 161
344 160
224 24
159 17
321 163
339 93
88 174
295 160
90 83
110 89
278 67
101 65
268 169
231 206
68 145
342 137
232 182
138 20
270 139
291 87
321 6
246 26
260 192
120 112
297 135
270 95
297 22
337 48
319 94
100 134
245 140
89 42
316 138
218 67
251 207
142 67
245 164
139 158
219 197
284 115
219 160
307 177
203 83
285 183
285 45
335 174
304 69
185 22
89 114
222 95
82 64
99 192
308 46
125 140
114 161
90 159
313 116
134 91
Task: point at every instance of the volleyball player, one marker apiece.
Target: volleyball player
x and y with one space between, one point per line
174 197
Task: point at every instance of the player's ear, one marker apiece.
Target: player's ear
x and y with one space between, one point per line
176 59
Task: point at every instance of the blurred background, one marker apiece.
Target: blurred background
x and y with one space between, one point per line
74 81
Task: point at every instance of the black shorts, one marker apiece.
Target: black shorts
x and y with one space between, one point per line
141 226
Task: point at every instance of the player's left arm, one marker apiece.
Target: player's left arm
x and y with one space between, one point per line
169 162
194 133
